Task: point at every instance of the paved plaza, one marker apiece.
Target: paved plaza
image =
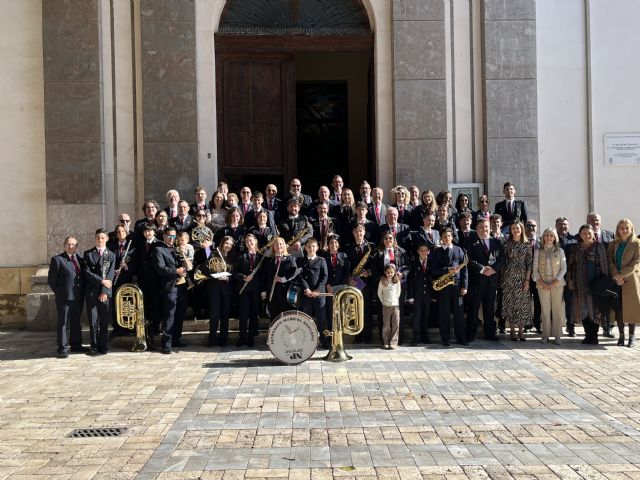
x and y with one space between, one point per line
492 410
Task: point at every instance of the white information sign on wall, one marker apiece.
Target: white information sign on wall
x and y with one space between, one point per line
622 148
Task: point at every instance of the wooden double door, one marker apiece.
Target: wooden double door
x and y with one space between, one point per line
256 118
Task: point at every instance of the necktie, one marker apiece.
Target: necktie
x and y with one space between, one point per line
323 230
181 220
401 209
430 235
173 213
75 264
270 204
393 230
392 257
485 246
597 237
424 267
147 246
252 259
334 259
378 212
100 252
121 249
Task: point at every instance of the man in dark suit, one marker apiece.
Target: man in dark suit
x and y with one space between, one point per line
150 209
295 191
486 259
272 202
531 233
292 226
511 209
400 231
148 281
365 193
245 204
466 236
313 280
183 221
402 205
200 202
360 254
419 293
567 242
173 199
167 267
377 209
336 192
99 269
323 196
66 280
449 259
324 226
426 234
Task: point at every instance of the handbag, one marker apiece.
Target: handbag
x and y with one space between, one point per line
604 286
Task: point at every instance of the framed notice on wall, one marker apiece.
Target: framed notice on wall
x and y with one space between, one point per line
472 190
622 149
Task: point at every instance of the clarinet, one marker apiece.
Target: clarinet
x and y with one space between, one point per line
253 273
124 261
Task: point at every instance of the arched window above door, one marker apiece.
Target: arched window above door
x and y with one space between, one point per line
294 17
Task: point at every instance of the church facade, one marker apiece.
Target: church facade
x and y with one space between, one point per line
107 103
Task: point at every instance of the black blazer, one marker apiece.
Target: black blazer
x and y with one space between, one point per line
419 282
465 241
243 267
401 261
165 263
98 268
193 208
520 212
355 256
287 269
237 234
370 232
333 228
419 237
442 259
263 237
415 218
290 227
175 222
478 259
338 275
314 274
372 214
475 216
63 279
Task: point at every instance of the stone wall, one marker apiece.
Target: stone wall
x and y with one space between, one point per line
73 120
169 97
511 117
15 284
420 110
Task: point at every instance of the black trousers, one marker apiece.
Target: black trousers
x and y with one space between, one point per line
450 302
219 295
482 295
537 311
568 301
99 316
182 301
69 318
169 301
249 310
367 327
278 303
151 299
421 309
315 307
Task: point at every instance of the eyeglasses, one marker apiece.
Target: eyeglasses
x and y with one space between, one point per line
483 202
171 236
200 215
245 193
122 220
531 226
295 185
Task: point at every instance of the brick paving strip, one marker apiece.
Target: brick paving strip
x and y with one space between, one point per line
491 411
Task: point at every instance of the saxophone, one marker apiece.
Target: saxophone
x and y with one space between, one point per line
448 278
358 270
270 242
301 233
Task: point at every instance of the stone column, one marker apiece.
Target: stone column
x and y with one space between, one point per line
511 117
73 121
169 97
420 110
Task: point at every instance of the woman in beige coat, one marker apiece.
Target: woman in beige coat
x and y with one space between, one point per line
624 267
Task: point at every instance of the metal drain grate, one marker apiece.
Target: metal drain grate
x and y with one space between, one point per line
97 432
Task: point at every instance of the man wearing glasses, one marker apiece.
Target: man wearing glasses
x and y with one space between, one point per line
245 201
531 233
295 191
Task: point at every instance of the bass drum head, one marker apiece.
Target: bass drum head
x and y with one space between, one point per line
293 337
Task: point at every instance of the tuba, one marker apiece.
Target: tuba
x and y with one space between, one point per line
348 317
130 313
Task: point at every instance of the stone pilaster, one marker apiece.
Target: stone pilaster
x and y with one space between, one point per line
511 116
420 112
73 120
169 97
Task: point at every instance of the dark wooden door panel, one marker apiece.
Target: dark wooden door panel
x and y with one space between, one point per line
256 121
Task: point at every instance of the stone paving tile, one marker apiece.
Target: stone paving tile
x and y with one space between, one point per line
491 411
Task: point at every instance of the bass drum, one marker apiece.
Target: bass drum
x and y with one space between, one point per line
293 337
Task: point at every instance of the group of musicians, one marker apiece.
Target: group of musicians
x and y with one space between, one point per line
247 255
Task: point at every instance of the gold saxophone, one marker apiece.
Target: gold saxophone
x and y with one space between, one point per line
448 278
348 317
358 270
130 313
301 233
270 242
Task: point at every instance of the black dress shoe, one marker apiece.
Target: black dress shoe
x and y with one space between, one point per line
79 349
572 334
632 341
92 352
63 354
179 344
539 331
414 344
464 344
103 351
166 351
445 344
502 331
251 342
493 338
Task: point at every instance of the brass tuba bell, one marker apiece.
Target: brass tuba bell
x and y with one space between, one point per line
348 317
130 313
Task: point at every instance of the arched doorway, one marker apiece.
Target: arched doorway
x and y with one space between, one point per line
294 92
